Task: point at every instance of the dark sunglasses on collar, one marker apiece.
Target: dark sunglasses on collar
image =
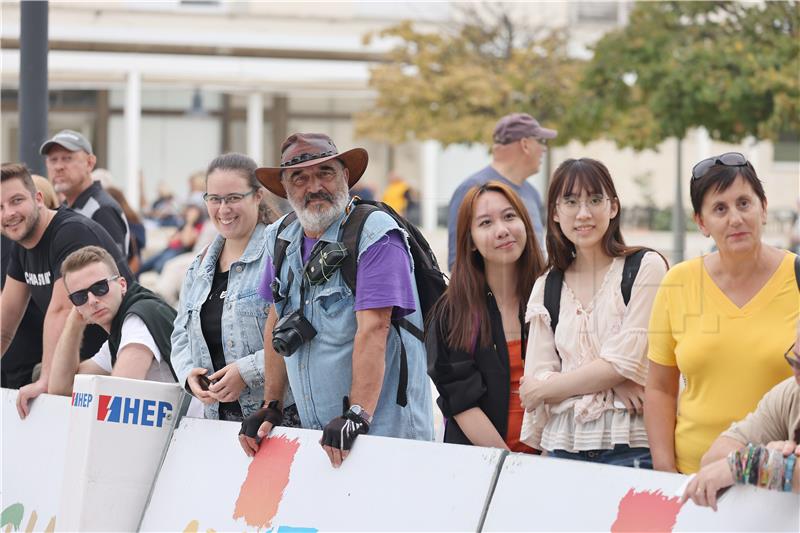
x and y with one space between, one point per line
728 159
98 288
792 359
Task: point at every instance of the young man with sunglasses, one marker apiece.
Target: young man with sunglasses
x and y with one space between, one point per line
138 323
43 238
519 145
775 424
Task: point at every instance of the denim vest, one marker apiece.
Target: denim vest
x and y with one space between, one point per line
243 318
320 371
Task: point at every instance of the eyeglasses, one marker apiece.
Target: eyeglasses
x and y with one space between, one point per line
541 141
230 199
98 288
728 159
793 361
570 205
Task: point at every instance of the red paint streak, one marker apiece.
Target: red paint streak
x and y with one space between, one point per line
266 480
646 511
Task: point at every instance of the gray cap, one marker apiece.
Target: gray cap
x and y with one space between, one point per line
516 126
69 139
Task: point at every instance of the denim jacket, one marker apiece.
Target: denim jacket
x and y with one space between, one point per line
243 319
320 371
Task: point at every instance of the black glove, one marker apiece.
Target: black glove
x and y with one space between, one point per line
341 432
270 414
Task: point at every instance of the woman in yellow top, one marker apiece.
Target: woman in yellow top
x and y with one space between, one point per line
722 320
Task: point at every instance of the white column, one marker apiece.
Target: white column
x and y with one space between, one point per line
430 164
133 124
703 144
751 153
255 127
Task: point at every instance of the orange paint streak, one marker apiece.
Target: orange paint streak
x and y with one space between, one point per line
267 477
646 511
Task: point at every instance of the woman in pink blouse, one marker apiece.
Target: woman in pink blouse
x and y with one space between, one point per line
583 388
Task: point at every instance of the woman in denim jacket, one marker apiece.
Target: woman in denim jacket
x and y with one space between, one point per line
217 342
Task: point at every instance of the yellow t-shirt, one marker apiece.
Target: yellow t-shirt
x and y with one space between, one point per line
729 356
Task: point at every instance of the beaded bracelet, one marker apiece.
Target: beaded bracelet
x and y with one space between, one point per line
788 472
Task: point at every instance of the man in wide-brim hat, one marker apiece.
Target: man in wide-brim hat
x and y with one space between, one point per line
337 347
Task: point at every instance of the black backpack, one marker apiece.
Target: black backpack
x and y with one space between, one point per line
555 281
428 277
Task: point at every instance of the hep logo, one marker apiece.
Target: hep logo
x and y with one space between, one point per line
123 410
81 399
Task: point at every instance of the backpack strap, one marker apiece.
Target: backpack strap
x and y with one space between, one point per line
629 272
552 295
351 236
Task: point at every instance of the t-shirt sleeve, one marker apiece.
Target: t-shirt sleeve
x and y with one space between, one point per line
267 277
660 340
70 237
769 421
15 270
384 277
103 357
134 331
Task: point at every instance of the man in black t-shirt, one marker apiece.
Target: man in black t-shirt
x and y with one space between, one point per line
70 161
42 239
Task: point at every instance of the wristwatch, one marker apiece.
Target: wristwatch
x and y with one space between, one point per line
361 413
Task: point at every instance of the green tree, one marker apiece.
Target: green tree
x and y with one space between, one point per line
452 85
731 67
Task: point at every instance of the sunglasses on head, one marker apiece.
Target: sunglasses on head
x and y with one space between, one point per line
728 159
792 359
98 288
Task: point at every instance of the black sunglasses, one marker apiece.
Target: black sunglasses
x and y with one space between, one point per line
98 288
793 361
728 159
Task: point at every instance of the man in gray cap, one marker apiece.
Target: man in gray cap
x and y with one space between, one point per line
519 143
70 162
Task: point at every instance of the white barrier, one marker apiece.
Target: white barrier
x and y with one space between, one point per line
33 454
545 494
207 483
119 430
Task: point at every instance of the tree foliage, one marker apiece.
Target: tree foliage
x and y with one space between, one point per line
732 67
452 85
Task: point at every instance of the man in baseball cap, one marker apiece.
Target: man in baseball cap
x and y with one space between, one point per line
70 161
519 144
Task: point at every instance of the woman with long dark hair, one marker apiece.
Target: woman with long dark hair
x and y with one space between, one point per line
477 331
587 364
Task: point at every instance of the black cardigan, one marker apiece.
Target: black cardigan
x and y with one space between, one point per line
465 380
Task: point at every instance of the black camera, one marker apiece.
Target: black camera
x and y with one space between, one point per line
290 332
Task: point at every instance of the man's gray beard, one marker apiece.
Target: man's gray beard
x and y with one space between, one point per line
314 221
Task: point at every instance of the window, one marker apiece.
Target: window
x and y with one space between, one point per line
594 12
787 148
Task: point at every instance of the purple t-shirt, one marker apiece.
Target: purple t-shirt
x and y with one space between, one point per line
383 275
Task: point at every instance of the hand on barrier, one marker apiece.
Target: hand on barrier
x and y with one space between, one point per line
27 394
705 485
341 432
229 383
631 394
786 447
258 425
195 380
